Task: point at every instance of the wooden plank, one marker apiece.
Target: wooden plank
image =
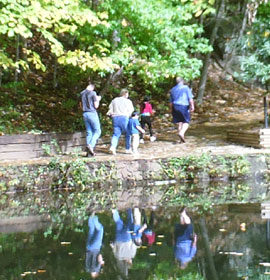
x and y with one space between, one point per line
21 155
236 132
265 131
245 208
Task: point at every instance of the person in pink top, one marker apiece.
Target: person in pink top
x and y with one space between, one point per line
146 113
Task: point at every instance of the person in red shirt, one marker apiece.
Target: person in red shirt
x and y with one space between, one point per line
146 113
149 235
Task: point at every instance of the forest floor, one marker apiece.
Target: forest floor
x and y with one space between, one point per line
227 106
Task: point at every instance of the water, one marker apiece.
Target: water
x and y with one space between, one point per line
236 236
48 238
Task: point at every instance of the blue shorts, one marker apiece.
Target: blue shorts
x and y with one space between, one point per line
181 113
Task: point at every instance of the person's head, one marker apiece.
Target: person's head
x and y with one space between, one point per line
146 99
91 87
135 115
94 274
124 93
179 80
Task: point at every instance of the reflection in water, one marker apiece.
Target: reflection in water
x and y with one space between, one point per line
149 235
94 259
127 238
185 240
231 245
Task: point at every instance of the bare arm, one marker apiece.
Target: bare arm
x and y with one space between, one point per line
140 129
170 106
191 105
96 103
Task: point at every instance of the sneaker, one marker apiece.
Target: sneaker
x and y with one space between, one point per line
153 138
128 151
113 150
90 151
141 141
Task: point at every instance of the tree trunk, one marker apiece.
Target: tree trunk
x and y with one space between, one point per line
17 69
55 73
112 78
24 57
219 15
95 4
209 256
1 74
237 41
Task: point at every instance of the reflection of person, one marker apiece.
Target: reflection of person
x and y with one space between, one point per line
181 104
146 113
120 110
89 104
133 130
94 260
149 235
124 247
185 240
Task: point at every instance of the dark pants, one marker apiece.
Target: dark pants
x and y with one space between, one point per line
146 120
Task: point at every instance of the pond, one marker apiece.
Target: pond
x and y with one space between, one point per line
232 239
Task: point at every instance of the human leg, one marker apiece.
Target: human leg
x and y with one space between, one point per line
183 131
135 143
88 127
184 218
116 132
96 130
143 122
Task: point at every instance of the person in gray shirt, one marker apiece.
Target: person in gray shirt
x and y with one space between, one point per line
89 104
120 109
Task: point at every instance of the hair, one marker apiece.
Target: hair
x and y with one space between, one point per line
123 92
179 80
135 113
146 99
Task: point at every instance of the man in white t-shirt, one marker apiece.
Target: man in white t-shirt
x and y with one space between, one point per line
120 110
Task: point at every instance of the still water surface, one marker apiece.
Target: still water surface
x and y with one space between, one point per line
232 243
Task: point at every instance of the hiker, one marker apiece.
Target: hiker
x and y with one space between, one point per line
124 248
94 260
149 235
181 105
133 130
146 113
120 109
89 104
185 241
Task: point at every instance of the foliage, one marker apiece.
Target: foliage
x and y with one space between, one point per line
255 64
192 167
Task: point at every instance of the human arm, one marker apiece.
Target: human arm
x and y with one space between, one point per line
140 129
143 228
97 101
191 105
170 107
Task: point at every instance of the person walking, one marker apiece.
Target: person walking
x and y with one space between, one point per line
133 130
94 260
89 104
185 240
146 113
181 105
120 109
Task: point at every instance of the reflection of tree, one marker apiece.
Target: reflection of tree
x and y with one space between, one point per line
208 253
